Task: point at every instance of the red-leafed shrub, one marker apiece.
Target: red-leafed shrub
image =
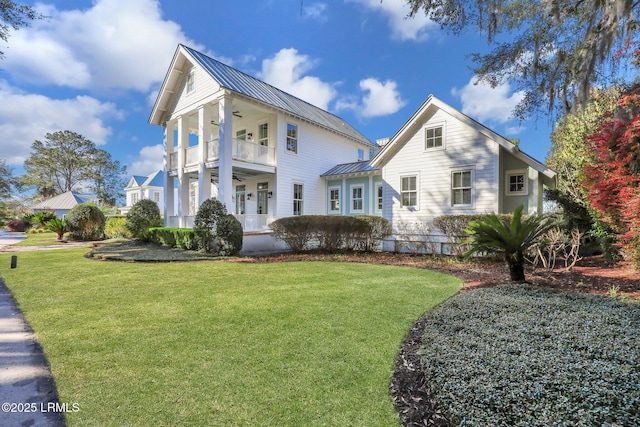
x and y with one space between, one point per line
613 180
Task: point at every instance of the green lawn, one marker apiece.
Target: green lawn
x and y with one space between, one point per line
41 239
222 343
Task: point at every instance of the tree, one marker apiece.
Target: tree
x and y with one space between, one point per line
14 16
67 161
612 182
85 222
6 180
555 51
511 239
143 215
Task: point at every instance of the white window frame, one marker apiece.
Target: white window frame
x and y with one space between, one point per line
190 85
263 140
416 190
300 200
471 187
360 155
378 199
135 197
291 143
337 200
434 126
352 199
156 196
507 182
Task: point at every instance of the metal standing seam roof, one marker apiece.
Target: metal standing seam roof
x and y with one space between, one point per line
347 168
237 81
62 201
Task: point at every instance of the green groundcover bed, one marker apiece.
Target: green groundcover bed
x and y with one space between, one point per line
529 356
222 343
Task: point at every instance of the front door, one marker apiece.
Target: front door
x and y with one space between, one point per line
240 199
263 198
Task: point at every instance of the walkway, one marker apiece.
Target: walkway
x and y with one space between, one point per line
28 395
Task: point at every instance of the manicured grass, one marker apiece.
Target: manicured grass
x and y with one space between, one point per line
222 343
41 239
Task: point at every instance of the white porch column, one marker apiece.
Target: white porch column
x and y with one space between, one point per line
168 181
225 179
183 179
204 134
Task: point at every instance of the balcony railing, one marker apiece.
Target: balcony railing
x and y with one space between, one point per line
241 150
257 222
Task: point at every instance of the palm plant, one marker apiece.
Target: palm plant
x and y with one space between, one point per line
511 239
58 226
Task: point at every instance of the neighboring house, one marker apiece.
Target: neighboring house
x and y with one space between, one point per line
61 204
263 149
144 187
267 154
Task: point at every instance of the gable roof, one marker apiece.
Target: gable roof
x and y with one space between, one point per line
416 121
136 181
350 168
236 81
154 180
62 201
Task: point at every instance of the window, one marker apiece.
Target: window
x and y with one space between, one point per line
241 197
433 138
241 135
263 198
297 199
356 199
360 154
292 138
461 188
191 81
516 182
378 207
156 196
334 200
372 153
408 191
134 198
263 134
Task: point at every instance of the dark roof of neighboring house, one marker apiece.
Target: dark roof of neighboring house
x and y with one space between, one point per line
237 81
62 201
350 168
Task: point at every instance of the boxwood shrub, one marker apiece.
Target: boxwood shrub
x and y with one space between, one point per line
520 355
183 238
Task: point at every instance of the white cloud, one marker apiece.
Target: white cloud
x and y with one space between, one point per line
379 99
104 47
148 160
27 117
396 12
487 104
315 11
286 69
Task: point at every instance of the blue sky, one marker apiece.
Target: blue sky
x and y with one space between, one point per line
94 67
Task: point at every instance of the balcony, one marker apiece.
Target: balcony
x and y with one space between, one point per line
256 222
245 151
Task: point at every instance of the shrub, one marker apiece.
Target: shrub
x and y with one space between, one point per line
228 239
520 355
331 232
183 238
17 225
85 222
205 224
295 231
143 215
116 227
58 226
40 219
453 227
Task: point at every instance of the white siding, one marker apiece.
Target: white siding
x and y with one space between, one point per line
464 148
318 151
182 101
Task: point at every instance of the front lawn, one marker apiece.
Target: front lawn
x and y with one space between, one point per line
222 343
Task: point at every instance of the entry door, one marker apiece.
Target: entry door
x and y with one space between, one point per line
263 198
240 199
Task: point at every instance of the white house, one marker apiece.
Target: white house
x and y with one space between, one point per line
267 154
263 149
144 187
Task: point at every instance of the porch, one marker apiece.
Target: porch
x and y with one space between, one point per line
250 222
242 150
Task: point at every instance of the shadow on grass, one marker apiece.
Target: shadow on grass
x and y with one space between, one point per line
138 251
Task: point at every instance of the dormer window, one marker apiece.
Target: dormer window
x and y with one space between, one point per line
191 81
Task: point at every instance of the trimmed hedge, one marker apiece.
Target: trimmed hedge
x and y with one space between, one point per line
116 227
332 232
144 214
183 238
520 355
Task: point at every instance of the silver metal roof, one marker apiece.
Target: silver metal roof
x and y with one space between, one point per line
349 168
61 201
237 81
